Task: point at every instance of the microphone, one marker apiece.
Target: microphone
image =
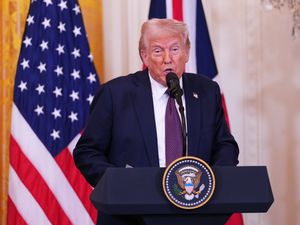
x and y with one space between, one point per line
176 92
173 86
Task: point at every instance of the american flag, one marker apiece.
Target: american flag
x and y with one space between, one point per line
54 86
202 59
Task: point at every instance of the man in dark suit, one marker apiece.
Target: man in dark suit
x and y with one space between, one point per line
126 126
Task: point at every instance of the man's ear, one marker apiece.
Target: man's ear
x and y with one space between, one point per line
144 57
187 54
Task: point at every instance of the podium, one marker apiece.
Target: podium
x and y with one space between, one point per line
139 192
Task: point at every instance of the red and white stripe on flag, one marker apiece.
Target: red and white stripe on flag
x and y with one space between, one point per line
54 86
201 53
44 190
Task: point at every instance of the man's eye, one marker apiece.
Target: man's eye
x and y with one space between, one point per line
157 52
175 49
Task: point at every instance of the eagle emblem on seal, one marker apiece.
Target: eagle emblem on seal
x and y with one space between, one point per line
189 178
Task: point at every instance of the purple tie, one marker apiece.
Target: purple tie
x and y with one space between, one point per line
174 142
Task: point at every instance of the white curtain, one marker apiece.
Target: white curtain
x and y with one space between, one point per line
122 20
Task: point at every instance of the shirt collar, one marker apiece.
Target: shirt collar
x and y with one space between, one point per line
158 90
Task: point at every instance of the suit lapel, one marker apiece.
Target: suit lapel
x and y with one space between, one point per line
193 113
143 105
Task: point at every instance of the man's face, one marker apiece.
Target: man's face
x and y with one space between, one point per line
164 54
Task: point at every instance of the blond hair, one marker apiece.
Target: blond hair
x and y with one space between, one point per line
167 26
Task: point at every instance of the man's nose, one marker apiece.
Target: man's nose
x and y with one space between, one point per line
167 57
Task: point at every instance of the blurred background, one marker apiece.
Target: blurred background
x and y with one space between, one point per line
258 59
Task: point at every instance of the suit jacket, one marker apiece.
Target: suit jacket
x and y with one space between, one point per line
121 128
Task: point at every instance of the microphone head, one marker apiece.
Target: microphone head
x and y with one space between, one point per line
172 80
173 85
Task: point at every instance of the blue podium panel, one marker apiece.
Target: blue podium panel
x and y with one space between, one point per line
138 191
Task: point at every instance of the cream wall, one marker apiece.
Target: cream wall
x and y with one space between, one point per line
259 67
259 64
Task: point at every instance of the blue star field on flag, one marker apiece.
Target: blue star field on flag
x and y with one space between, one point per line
56 78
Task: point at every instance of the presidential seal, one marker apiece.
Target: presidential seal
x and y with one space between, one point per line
188 182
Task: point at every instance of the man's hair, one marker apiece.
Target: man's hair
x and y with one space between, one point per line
167 26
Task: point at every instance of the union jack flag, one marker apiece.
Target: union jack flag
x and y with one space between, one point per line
54 86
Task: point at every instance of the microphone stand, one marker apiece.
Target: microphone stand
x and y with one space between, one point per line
183 124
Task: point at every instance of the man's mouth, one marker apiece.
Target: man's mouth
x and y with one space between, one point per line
166 71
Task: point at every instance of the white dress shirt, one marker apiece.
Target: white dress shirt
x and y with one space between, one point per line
160 99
